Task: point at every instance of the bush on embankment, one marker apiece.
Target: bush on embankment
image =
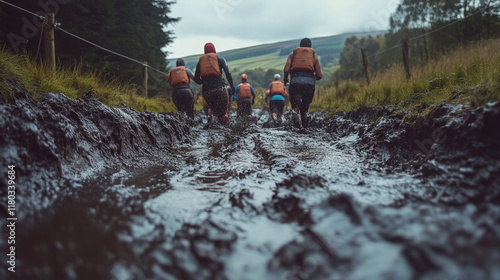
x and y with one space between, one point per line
468 75
22 73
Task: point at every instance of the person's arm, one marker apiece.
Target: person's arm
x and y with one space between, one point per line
197 75
190 73
317 68
236 93
288 65
253 94
223 65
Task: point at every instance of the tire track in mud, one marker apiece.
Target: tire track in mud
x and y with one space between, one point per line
287 204
247 202
263 202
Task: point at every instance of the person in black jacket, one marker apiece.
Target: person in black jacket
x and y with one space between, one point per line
305 69
209 74
182 96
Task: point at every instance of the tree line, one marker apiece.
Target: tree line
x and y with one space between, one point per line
449 24
134 28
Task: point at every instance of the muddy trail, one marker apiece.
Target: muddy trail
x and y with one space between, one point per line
108 193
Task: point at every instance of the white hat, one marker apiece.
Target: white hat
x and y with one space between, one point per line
277 77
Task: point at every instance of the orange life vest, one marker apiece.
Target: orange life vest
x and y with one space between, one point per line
277 87
209 65
303 59
179 76
245 90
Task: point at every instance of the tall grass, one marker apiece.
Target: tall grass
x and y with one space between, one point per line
23 73
468 75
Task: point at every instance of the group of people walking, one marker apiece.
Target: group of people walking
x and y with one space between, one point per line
302 67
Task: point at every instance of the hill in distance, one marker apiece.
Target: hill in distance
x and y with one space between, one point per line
274 55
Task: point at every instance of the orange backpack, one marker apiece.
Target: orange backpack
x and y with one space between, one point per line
209 65
303 59
179 76
277 87
245 90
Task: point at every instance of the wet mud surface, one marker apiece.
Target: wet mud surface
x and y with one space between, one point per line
107 193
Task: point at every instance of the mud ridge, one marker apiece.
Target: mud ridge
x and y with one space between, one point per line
447 133
56 141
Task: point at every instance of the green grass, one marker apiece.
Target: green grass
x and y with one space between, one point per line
268 61
22 73
468 75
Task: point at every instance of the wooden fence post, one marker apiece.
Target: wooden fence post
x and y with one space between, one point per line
406 57
145 78
366 65
49 41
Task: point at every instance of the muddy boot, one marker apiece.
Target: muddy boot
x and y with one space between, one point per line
210 118
274 116
279 120
224 119
305 119
296 118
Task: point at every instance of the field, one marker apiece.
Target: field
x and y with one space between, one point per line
267 61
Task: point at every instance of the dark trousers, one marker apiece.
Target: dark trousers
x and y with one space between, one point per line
217 100
301 96
183 100
277 106
244 107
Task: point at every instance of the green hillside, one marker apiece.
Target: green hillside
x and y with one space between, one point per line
273 56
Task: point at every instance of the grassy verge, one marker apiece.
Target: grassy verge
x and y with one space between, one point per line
23 73
469 75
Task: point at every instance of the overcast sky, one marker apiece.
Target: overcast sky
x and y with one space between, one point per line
231 24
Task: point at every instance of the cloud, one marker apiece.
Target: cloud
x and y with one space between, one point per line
238 23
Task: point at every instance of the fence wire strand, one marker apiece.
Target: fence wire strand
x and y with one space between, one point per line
156 70
57 26
433 31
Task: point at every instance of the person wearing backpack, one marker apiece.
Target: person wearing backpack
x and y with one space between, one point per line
182 96
304 68
245 97
209 74
276 94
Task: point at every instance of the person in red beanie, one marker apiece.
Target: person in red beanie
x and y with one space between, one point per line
209 74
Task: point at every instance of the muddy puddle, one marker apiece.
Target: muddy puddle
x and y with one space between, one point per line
248 202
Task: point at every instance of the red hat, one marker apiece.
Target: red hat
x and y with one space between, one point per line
209 48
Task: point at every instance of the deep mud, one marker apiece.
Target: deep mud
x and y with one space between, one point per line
108 193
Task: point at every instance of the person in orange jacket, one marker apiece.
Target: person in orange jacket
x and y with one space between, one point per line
209 74
276 94
304 68
182 96
244 96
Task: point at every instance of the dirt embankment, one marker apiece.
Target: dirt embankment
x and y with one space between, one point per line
56 141
457 144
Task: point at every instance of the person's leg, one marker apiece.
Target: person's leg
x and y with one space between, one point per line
176 98
296 96
185 101
217 100
244 107
280 105
273 109
295 93
307 98
247 107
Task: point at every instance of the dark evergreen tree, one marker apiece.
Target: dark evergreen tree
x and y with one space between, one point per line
134 28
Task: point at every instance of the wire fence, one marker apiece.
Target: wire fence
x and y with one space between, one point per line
158 71
431 32
58 28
